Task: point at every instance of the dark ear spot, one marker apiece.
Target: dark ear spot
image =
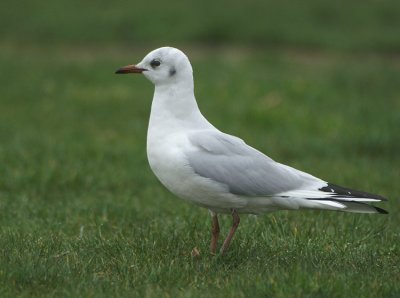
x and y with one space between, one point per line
172 71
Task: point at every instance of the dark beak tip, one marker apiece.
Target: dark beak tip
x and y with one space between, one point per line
130 69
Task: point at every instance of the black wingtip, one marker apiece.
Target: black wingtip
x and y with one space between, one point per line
381 211
348 192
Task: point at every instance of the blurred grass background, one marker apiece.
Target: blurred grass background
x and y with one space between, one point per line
314 85
371 25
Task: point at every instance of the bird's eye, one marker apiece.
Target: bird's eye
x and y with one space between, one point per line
154 63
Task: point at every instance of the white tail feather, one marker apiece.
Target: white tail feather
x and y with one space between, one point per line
317 194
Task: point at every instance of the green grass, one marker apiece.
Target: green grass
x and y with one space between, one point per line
370 25
81 214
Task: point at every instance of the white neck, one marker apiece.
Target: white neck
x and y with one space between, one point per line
175 109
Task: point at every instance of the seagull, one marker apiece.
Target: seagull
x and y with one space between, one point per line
220 172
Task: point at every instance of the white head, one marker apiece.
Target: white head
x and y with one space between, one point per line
163 66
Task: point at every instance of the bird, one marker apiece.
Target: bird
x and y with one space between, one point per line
203 165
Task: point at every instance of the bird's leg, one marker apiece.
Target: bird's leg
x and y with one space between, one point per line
235 224
214 233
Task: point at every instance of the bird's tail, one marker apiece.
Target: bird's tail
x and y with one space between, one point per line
349 206
335 197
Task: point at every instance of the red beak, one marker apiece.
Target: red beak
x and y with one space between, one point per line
130 69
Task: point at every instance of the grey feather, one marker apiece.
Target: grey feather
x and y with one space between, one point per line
245 171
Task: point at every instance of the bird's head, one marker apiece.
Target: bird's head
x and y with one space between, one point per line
162 66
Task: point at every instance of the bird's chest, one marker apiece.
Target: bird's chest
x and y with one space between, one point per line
168 162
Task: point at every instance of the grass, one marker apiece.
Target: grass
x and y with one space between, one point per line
81 214
315 24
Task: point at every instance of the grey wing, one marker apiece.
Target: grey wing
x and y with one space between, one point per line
245 171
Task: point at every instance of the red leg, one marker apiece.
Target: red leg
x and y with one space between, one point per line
214 233
235 224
